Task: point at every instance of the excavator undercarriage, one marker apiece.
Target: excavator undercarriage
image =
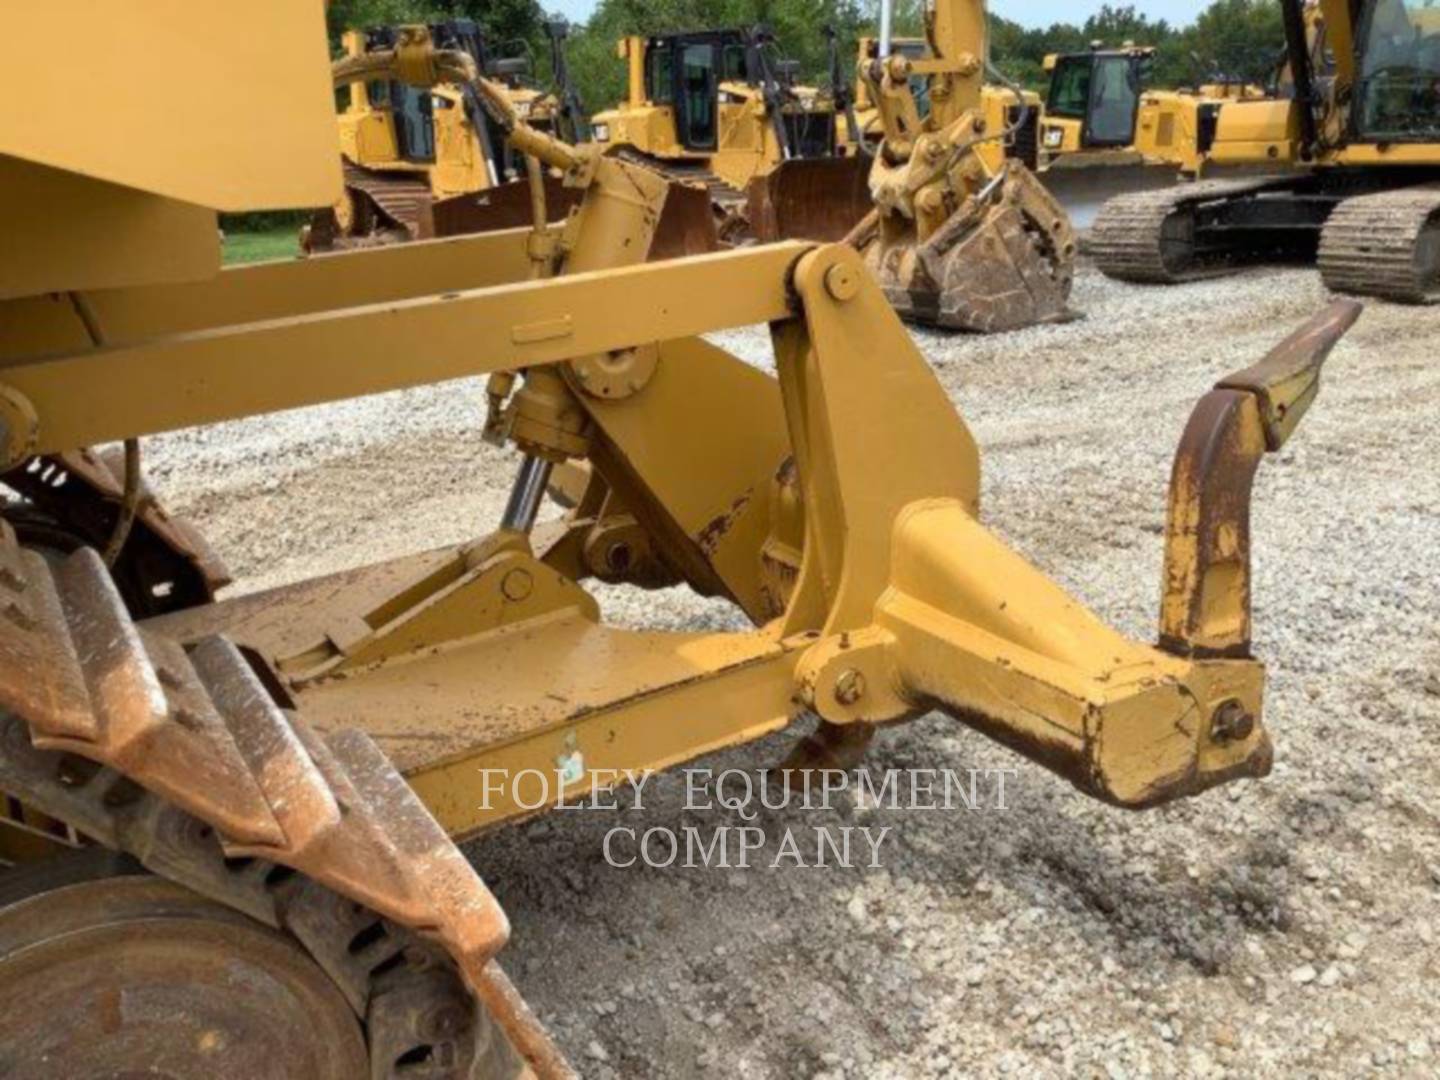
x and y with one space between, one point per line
1360 136
290 769
1372 233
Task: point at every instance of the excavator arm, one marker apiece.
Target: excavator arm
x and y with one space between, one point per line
952 243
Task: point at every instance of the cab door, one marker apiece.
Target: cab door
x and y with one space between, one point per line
1114 101
697 91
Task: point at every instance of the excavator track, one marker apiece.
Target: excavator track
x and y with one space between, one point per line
1149 237
1386 245
180 758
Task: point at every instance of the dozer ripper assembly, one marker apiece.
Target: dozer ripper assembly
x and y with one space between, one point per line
717 109
1359 139
237 818
954 242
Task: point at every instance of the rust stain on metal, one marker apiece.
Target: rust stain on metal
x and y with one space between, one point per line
710 536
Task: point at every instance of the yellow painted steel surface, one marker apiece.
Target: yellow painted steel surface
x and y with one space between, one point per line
81 233
230 371
242 118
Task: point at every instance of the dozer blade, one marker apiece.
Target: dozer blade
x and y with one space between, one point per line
809 199
506 206
686 227
1003 261
1084 183
687 224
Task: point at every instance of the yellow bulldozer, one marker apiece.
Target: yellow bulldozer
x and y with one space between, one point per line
424 159
407 147
960 236
1100 112
231 825
719 108
1354 149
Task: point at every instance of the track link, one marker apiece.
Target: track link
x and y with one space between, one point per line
684 172
1385 245
1149 236
401 201
182 759
74 498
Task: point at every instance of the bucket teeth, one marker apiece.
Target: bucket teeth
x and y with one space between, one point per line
197 728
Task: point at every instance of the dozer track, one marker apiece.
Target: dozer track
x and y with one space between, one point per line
727 203
1150 237
1386 245
397 201
74 499
182 759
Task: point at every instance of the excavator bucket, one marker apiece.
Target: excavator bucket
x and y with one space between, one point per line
1002 261
809 199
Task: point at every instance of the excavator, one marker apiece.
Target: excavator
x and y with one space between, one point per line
1010 107
1353 154
958 238
718 109
231 828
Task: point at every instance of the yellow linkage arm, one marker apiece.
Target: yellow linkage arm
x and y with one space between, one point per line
922 607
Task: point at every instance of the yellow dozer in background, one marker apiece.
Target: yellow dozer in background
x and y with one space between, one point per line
231 826
1354 149
716 108
423 158
408 147
955 240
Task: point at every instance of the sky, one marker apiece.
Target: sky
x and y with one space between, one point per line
1025 12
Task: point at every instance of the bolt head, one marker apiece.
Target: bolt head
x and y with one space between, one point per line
842 282
517 584
849 686
1232 722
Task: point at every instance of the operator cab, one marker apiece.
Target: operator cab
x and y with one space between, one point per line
685 71
1101 89
1397 93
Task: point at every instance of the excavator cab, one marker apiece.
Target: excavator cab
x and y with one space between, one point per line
1094 98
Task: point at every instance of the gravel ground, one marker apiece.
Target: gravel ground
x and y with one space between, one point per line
1289 926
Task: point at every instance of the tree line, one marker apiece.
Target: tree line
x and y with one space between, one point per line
1237 39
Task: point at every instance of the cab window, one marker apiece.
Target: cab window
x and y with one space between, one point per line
660 75
1070 88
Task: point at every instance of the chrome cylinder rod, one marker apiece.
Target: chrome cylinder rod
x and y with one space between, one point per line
526 495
